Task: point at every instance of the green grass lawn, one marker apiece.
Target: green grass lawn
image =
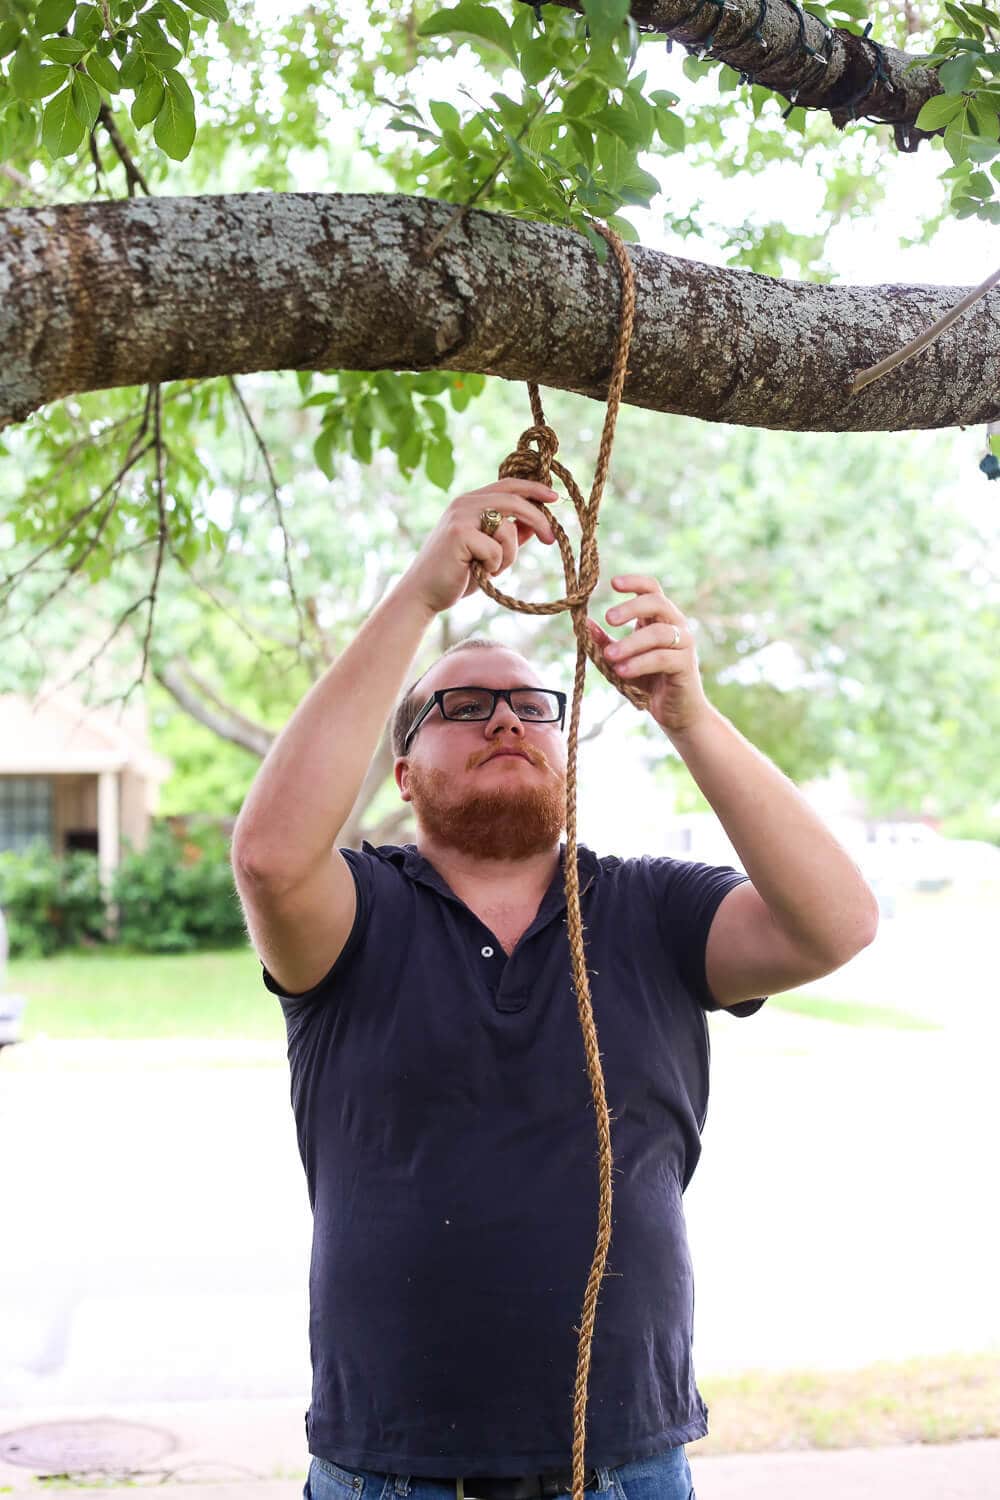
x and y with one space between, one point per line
939 1399
116 996
220 995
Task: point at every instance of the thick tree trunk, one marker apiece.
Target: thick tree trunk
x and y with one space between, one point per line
774 55
94 295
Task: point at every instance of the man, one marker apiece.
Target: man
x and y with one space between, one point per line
438 1075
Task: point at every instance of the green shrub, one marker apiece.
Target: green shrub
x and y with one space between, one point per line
178 894
175 896
49 902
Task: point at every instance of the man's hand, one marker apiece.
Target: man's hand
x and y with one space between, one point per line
439 575
659 656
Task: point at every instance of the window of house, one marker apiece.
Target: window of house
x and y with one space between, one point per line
25 811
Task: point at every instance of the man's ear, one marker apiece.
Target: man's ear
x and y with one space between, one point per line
400 770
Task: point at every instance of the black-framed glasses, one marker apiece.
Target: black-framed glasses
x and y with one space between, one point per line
466 705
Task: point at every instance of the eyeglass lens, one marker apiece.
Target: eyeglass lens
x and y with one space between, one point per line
478 703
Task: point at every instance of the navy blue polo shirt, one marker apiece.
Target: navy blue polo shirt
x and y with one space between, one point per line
446 1127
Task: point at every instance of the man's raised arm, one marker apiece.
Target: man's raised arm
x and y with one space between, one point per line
297 891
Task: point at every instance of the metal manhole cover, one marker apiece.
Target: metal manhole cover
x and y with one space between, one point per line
99 1445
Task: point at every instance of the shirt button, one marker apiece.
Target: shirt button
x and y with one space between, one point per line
487 952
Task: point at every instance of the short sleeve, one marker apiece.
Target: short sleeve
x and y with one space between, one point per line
689 896
360 867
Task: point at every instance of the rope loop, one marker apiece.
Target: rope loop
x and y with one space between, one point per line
527 462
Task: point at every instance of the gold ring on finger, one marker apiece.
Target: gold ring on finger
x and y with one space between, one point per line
490 521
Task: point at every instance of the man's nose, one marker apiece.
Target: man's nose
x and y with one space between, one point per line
504 718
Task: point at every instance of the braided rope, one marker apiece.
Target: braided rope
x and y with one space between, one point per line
534 458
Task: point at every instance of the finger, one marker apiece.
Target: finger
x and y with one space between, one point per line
517 508
488 550
600 636
666 662
529 488
645 607
649 637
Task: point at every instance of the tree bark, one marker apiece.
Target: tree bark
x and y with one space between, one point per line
777 58
95 295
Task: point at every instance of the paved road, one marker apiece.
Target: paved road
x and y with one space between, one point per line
157 1228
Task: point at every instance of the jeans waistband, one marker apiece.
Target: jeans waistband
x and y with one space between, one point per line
522 1486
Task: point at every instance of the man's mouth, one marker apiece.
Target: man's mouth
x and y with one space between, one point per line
519 753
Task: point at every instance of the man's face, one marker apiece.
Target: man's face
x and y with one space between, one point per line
492 788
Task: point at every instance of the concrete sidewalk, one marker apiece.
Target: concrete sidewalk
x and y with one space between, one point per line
236 1450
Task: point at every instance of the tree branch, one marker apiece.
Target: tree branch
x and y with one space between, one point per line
775 48
191 692
95 295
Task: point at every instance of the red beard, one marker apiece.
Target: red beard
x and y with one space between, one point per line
502 822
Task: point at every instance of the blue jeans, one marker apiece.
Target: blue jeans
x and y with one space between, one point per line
665 1477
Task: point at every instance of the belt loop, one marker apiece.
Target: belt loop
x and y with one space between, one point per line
603 1479
402 1484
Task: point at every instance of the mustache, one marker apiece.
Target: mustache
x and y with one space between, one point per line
479 757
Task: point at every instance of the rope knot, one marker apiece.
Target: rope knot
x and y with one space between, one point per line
532 463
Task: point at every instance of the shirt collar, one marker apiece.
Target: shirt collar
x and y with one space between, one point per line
407 857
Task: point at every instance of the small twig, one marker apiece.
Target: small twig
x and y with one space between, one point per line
68 574
95 158
132 173
866 377
279 510
162 537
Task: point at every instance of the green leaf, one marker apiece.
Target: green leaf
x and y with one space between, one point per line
215 10
956 75
10 35
605 19
445 115
440 463
86 99
158 50
963 21
958 135
536 60
469 19
88 24
133 69
323 450
103 71
64 49
177 21
52 15
939 111
62 128
174 130
30 78
981 148
148 101
584 97
361 440
671 129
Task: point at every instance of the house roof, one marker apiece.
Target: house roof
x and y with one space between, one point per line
55 734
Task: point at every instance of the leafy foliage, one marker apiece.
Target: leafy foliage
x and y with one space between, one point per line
560 120
49 903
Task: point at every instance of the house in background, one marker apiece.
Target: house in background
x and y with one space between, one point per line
76 777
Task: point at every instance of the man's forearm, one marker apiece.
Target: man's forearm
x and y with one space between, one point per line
311 776
809 883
